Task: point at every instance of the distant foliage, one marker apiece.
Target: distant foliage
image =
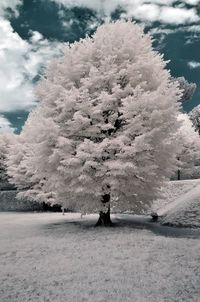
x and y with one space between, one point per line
104 132
188 89
195 118
5 141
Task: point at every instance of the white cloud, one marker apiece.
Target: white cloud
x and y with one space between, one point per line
178 15
36 37
192 2
164 14
20 62
5 125
194 28
144 10
15 92
12 4
104 6
165 31
193 64
40 53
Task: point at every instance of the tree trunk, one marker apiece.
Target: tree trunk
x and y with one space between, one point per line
178 172
178 175
104 217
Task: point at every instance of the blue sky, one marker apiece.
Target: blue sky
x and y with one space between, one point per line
33 31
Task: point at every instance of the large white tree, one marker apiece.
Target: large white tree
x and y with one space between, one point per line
104 132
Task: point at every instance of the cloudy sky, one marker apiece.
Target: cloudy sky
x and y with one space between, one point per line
33 31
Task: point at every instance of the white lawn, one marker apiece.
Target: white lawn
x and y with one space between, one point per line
55 258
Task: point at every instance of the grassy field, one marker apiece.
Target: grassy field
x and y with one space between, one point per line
55 258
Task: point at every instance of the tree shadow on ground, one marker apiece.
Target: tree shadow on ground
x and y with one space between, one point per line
157 228
120 223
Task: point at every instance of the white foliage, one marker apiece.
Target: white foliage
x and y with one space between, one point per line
189 152
106 124
195 118
6 140
28 159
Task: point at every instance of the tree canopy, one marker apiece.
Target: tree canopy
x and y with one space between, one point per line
103 133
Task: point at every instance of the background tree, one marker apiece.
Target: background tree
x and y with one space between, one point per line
104 132
195 118
189 153
32 147
6 140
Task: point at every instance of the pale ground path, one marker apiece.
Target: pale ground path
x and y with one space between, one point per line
55 258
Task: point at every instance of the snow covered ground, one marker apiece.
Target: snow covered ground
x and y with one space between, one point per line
50 257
